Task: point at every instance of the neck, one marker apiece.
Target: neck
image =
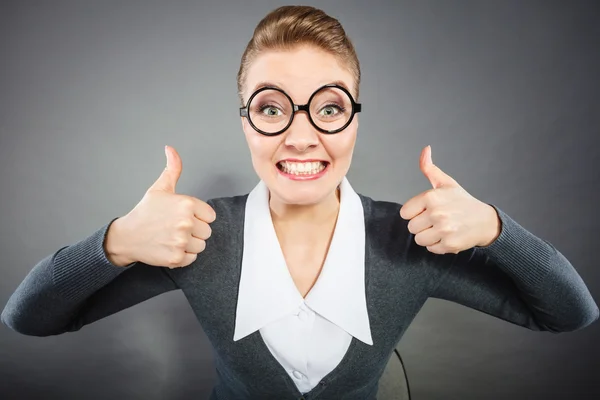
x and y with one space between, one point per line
313 214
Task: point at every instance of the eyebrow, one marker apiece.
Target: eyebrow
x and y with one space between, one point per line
279 86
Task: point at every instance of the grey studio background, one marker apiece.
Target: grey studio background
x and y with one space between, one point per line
506 92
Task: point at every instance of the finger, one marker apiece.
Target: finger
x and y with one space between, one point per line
442 247
413 207
428 237
187 260
195 246
437 248
203 211
167 181
201 229
433 173
420 222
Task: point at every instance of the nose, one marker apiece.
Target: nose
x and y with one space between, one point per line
301 134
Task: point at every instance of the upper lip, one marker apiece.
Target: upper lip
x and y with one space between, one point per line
302 161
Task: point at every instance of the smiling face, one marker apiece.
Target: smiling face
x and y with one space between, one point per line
327 157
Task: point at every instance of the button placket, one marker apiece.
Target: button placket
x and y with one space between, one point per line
305 322
298 375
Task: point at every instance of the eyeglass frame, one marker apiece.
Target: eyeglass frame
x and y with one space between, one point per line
356 108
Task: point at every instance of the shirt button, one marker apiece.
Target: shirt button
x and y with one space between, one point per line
303 315
298 375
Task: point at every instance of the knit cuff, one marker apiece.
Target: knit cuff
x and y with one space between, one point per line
82 268
518 252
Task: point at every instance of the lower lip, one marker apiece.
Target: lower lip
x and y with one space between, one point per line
304 177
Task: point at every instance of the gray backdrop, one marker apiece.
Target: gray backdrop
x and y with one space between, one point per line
506 92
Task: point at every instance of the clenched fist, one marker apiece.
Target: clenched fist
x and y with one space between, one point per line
164 229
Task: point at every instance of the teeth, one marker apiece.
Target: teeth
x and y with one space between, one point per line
308 168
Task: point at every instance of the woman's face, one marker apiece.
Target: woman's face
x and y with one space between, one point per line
299 73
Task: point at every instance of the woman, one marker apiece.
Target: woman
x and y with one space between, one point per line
303 286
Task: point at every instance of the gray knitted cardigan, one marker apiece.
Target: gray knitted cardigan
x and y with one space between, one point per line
519 278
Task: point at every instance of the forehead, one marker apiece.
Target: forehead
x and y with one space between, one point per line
299 72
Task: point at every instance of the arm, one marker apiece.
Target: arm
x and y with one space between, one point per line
78 285
519 278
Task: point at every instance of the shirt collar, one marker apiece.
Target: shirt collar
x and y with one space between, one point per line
267 291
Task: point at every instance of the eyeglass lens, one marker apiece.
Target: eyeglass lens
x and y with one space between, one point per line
330 108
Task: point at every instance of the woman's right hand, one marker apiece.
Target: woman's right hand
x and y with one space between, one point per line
164 229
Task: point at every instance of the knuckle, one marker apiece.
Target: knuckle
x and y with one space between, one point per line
450 245
184 224
176 258
187 203
430 195
433 198
446 228
438 215
180 242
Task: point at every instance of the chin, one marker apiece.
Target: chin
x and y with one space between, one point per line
299 196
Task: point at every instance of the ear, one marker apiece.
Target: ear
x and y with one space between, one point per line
245 125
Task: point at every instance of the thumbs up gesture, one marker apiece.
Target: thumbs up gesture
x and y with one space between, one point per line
164 229
447 219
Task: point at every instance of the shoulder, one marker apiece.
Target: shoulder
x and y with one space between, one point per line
229 210
388 237
378 206
228 226
383 224
228 205
381 212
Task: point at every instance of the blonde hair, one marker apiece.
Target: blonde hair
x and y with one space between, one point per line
290 26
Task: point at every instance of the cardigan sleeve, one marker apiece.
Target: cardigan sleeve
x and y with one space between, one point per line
78 285
519 278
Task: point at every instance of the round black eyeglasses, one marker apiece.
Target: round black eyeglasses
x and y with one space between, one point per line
330 109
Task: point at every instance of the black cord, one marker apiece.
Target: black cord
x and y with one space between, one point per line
404 370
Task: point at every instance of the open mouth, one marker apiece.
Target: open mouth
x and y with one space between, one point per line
302 168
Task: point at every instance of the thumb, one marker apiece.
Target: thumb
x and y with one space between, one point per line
169 177
436 176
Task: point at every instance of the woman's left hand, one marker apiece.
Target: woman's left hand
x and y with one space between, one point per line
447 219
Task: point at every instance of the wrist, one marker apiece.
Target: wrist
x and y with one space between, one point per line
114 245
494 227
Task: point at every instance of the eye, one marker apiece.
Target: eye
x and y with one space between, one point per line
271 111
330 110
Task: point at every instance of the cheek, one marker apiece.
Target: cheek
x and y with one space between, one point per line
340 146
262 148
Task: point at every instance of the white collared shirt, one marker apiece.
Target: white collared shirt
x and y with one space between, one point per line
307 336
